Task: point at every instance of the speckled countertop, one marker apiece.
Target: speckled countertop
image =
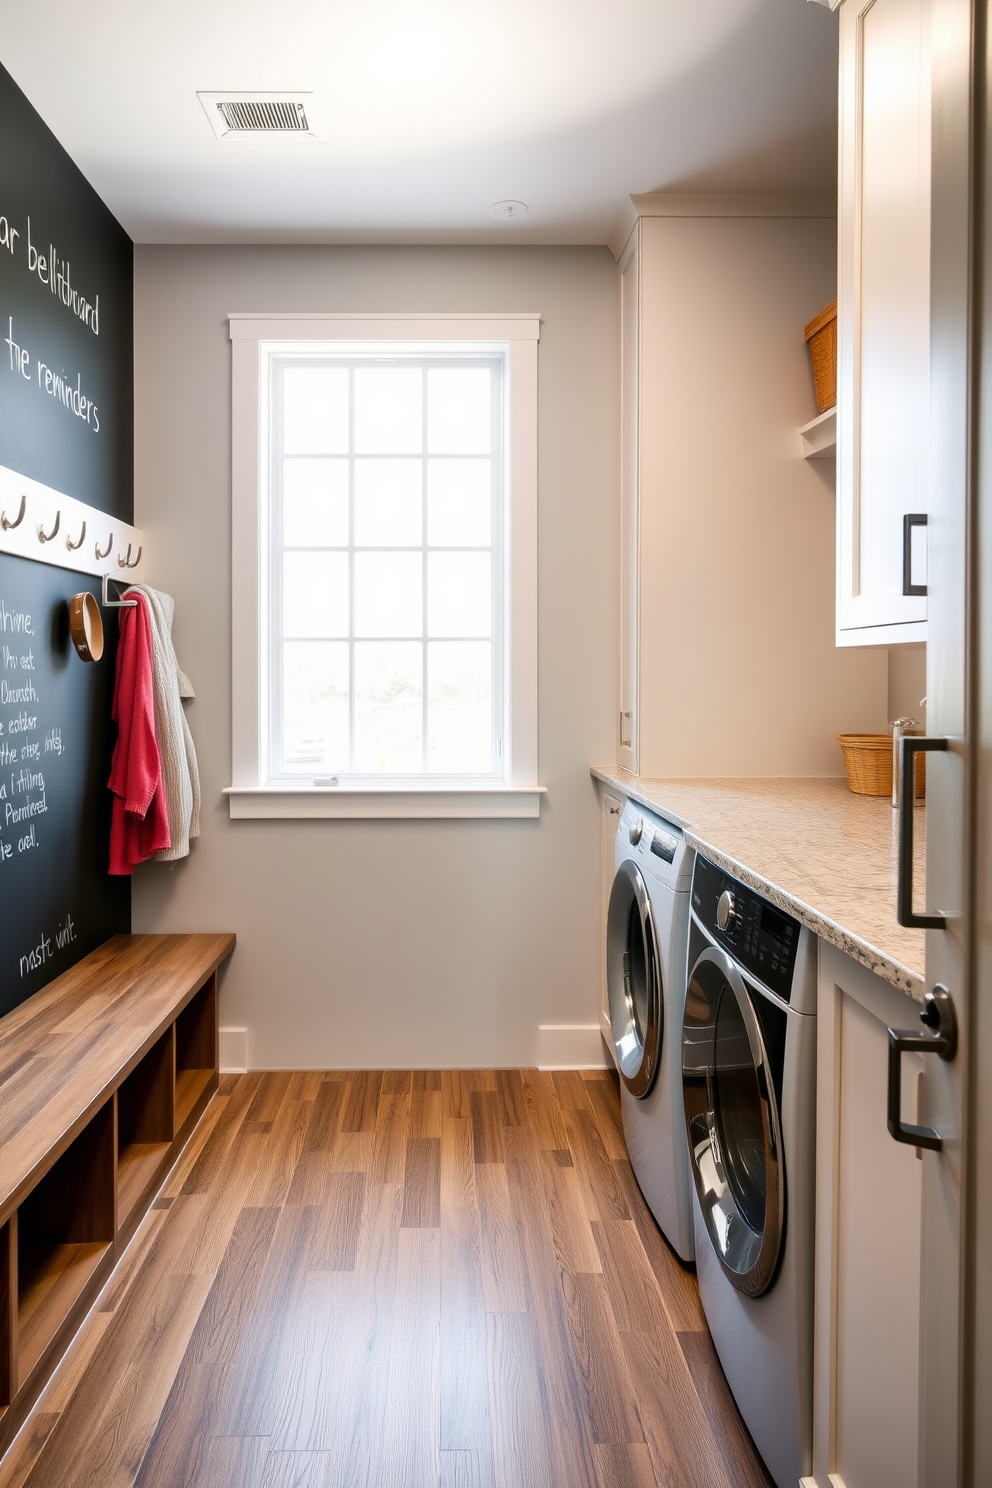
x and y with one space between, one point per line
811 847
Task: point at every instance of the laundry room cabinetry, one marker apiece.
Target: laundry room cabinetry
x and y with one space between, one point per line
868 1244
883 325
728 666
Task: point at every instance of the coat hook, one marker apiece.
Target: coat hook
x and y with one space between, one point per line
96 548
44 536
9 525
72 546
137 556
127 561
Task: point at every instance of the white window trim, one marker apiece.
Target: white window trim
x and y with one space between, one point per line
248 796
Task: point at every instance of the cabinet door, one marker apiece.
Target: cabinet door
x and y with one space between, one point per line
883 317
627 751
869 1226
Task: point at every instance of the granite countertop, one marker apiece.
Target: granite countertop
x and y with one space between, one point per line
812 847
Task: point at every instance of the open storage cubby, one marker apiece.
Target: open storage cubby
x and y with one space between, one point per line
65 1226
196 1049
114 1063
145 1123
8 1314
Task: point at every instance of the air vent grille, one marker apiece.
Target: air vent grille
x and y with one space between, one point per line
273 116
239 112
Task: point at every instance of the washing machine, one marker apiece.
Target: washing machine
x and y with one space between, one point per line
646 933
749 1090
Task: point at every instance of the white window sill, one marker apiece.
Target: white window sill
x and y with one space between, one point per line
273 803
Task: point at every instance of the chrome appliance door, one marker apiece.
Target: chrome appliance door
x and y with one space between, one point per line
732 1123
633 979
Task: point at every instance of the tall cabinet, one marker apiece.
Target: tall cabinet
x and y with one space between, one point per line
729 665
883 330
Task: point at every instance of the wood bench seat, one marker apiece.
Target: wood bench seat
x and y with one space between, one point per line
104 1074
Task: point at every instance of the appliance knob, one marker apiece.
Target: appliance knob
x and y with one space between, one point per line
726 910
635 831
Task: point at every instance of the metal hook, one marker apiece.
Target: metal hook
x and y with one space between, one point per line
126 562
96 548
9 525
44 536
72 546
115 604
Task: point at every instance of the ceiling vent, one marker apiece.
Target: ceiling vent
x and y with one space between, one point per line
259 113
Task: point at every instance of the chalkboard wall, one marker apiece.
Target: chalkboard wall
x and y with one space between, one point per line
66 419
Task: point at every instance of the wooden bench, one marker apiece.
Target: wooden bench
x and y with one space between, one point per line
104 1074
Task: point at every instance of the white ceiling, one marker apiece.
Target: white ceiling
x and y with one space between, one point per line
431 110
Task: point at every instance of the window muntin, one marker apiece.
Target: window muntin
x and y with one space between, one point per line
386 567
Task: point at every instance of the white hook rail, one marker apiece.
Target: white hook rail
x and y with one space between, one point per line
111 548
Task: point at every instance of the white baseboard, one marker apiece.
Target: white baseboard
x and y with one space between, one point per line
234 1051
570 1046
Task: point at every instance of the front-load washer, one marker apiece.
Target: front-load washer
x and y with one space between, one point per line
749 1087
646 933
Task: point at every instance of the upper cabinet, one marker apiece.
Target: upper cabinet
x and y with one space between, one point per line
883 321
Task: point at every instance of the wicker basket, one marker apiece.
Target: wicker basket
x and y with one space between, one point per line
868 759
821 337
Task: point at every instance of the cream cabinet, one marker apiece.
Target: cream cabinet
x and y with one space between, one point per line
629 720
868 1238
883 326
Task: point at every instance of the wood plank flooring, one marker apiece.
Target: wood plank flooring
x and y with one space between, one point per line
440 1279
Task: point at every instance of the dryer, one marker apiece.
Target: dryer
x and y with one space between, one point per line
749 1089
646 934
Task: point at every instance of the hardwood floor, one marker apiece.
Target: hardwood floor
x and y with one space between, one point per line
427 1280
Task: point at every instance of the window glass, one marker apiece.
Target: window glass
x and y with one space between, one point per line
386 654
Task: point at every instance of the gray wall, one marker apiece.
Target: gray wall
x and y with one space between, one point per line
364 944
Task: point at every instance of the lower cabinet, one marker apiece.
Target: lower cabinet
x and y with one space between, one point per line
868 1242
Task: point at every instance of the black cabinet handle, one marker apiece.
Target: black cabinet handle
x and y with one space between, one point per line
909 521
941 1039
912 745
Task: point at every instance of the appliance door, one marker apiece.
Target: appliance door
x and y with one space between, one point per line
633 979
732 1122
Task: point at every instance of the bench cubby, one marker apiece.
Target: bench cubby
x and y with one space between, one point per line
105 1073
146 1123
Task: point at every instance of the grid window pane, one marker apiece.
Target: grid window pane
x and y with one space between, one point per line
459 503
314 595
315 503
389 503
315 411
459 707
389 411
459 410
387 623
459 600
388 707
315 703
389 594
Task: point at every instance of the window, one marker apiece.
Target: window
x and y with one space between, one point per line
384 514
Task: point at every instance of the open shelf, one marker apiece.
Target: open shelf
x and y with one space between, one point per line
50 1278
8 1261
137 1165
819 436
190 1085
196 1049
65 1227
145 1124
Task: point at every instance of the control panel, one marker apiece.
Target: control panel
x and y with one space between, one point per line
758 936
